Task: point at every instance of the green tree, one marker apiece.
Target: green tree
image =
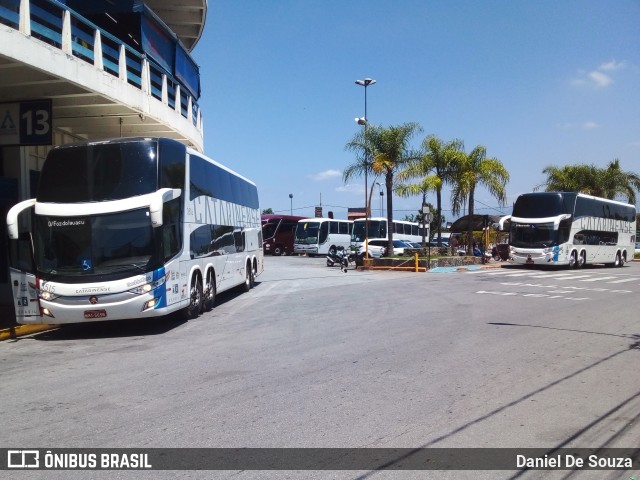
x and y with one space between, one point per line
382 151
610 182
267 211
433 170
476 169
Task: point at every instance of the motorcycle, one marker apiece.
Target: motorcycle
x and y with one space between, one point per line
342 257
500 252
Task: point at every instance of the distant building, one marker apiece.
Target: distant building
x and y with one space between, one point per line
357 212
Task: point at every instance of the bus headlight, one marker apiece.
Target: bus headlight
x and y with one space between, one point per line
147 287
151 304
46 295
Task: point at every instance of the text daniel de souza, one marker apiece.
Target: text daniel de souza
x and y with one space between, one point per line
571 461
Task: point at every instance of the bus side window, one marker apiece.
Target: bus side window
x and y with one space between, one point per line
324 232
171 231
21 254
563 231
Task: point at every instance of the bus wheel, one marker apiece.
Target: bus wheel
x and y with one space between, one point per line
573 260
617 261
195 298
249 277
209 294
278 250
582 260
621 261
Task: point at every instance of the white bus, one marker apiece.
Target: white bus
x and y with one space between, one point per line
131 228
319 236
560 228
378 230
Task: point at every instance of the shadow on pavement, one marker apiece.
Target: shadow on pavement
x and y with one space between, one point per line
113 329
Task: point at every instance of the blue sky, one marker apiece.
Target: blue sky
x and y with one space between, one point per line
537 83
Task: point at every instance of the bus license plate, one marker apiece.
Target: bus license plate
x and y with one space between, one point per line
529 260
95 314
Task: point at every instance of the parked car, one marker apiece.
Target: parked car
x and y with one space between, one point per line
398 245
375 250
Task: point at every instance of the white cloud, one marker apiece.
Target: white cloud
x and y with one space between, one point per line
600 77
351 188
588 125
326 175
611 66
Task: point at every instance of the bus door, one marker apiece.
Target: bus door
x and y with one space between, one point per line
23 279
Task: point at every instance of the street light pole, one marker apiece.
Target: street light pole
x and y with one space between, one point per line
381 197
291 200
365 83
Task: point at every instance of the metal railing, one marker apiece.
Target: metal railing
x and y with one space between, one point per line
54 23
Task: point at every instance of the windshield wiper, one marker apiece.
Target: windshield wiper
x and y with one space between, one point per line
123 267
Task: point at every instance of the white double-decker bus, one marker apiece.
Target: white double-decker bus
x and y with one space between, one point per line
319 236
567 228
131 228
378 230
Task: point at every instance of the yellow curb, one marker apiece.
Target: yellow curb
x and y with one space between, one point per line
21 330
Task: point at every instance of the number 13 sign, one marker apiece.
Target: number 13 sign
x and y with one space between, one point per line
26 123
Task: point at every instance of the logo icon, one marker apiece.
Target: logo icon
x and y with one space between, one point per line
23 459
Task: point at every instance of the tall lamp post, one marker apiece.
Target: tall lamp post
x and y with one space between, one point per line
364 121
381 197
291 200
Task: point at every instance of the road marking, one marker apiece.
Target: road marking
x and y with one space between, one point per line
624 280
597 279
553 275
563 288
534 295
574 277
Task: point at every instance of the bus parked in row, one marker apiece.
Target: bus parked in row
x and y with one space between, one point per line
572 229
278 233
378 230
131 228
320 236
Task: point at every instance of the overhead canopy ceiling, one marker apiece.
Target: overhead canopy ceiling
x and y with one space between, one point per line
184 17
474 222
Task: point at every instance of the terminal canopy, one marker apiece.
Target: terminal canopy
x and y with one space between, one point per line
474 222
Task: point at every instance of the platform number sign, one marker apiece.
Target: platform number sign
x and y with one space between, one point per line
26 123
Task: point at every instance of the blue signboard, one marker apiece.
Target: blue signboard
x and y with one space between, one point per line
26 123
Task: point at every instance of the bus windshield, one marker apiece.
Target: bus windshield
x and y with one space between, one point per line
307 233
377 229
544 204
116 245
534 235
269 229
95 173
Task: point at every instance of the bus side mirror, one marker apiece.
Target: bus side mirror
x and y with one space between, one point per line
158 200
14 213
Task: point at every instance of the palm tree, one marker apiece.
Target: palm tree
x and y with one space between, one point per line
610 182
389 151
571 178
433 170
473 170
619 184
